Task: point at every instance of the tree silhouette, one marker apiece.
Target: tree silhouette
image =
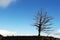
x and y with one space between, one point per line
42 22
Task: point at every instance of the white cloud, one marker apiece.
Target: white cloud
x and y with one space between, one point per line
6 3
57 34
43 34
7 33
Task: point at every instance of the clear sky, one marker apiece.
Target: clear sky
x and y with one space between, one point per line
17 15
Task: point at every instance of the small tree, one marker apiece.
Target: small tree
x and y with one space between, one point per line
42 22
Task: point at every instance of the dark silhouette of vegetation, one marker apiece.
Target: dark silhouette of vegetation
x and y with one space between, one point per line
42 22
27 38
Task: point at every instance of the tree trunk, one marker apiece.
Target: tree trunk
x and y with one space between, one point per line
39 30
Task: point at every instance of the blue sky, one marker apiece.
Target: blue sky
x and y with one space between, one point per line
17 15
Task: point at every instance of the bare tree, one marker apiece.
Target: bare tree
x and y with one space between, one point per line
42 22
